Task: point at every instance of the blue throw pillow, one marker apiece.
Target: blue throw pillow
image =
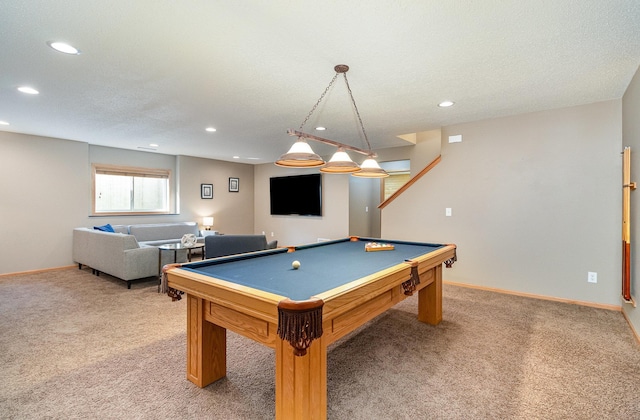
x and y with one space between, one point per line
105 228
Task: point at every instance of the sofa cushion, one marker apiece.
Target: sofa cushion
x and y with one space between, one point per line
162 231
121 229
221 245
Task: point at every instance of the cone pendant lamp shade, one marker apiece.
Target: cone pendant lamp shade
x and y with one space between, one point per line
340 163
370 169
300 156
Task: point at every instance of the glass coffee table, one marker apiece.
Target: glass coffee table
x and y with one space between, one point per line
175 248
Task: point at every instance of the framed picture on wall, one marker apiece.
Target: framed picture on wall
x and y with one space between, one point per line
234 184
206 190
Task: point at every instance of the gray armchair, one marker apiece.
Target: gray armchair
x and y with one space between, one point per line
222 245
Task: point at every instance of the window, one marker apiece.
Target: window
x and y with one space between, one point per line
394 182
127 190
399 174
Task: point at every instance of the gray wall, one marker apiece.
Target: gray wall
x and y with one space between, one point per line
536 203
425 150
364 198
45 185
296 230
115 156
631 137
232 211
365 195
535 199
43 196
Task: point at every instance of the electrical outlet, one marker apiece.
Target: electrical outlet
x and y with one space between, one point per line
592 277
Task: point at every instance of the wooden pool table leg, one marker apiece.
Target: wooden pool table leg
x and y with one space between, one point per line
430 299
206 345
301 381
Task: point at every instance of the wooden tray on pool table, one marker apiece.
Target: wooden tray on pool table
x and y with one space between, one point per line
373 246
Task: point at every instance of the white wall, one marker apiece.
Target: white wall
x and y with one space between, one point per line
536 203
297 230
631 137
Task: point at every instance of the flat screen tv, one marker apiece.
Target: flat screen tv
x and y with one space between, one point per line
296 195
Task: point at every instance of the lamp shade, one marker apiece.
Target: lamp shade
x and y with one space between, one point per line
340 163
370 169
300 156
207 221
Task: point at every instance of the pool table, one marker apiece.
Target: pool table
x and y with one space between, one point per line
339 286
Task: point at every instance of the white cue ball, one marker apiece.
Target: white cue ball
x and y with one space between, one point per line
295 265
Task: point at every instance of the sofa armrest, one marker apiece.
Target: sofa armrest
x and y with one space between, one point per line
138 263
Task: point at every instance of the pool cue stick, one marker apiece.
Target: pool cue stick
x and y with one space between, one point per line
627 186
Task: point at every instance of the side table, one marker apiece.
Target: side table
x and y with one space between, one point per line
175 248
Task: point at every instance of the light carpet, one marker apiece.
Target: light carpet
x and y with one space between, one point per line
77 346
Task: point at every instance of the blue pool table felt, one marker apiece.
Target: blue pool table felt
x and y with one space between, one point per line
323 266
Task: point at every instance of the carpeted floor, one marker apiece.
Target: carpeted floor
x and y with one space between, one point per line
76 346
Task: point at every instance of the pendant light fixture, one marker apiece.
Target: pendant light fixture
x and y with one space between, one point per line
340 163
301 156
370 169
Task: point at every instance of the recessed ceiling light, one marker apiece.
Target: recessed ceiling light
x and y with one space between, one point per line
153 145
252 158
236 157
446 104
4 123
210 129
321 128
29 90
63 47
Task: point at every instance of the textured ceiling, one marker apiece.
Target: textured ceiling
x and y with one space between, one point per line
160 71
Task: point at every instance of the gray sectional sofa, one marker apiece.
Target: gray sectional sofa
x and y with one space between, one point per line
130 252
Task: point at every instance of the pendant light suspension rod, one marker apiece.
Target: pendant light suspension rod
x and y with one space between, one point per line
331 142
353 101
301 156
319 100
339 69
